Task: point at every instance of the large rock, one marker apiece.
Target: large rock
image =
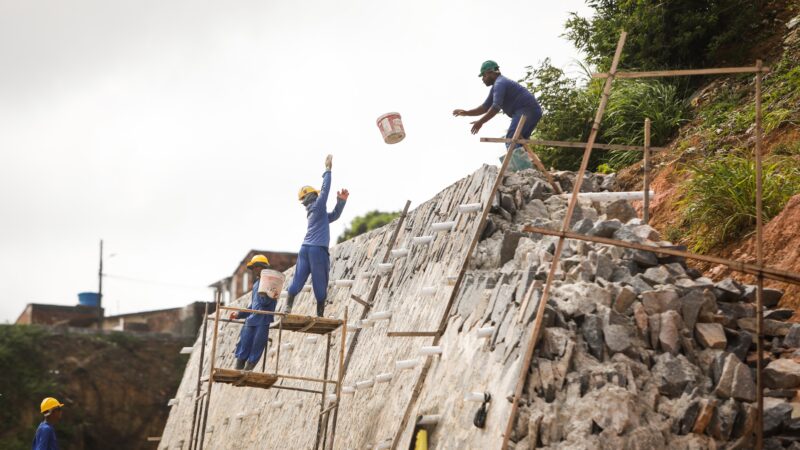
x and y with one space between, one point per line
729 290
620 210
624 300
792 339
657 302
669 335
698 304
592 331
658 275
644 258
673 374
604 268
605 228
739 343
736 381
782 373
722 420
776 413
509 246
618 337
711 335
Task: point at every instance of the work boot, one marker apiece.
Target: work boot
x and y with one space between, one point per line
249 366
287 308
240 364
320 308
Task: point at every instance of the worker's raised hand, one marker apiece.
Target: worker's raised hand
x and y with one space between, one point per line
476 126
343 194
328 162
459 112
234 315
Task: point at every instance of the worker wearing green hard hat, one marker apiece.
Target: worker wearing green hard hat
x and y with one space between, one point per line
511 98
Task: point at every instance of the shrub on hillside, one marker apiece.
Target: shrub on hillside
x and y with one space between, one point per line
369 221
719 196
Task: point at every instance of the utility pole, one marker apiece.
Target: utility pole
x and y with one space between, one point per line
100 290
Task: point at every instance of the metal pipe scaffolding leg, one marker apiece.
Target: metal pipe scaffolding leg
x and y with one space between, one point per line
339 379
320 430
210 372
199 376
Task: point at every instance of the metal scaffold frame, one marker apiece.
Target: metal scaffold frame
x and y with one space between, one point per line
264 379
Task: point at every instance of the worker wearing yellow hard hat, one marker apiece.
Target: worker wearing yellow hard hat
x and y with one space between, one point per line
255 332
45 438
313 258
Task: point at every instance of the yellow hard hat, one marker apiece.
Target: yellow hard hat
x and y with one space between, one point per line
305 190
50 403
258 259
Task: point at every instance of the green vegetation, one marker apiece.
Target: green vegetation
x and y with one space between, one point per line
24 380
369 221
570 109
666 35
719 202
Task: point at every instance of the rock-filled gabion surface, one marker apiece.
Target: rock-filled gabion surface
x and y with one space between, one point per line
638 350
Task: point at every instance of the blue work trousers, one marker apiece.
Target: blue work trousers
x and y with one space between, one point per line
532 119
252 341
312 260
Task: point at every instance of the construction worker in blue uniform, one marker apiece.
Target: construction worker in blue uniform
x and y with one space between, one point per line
45 438
255 332
514 100
313 258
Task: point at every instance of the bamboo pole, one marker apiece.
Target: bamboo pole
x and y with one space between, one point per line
278 348
199 373
487 206
685 72
570 144
411 333
538 163
320 430
646 169
760 278
211 370
752 269
533 337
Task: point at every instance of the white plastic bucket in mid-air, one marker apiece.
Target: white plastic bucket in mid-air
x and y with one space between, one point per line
391 127
271 283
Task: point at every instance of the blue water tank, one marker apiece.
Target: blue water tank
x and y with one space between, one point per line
88 298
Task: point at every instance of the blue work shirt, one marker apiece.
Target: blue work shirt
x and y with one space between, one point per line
319 219
261 302
45 438
510 96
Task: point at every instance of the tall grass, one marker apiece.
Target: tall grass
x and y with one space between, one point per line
629 104
720 196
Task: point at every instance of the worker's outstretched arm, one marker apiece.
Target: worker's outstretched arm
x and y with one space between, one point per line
470 112
322 201
341 199
476 126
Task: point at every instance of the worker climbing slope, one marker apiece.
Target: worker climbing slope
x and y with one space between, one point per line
313 258
45 438
514 100
255 332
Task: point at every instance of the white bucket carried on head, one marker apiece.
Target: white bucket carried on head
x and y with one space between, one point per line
391 127
271 283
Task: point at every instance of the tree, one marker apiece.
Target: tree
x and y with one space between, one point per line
369 221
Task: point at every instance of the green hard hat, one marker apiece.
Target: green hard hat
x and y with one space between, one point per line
488 65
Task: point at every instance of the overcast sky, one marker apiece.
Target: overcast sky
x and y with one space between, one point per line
180 131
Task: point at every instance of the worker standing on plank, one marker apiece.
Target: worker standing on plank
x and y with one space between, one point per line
511 97
255 332
45 438
313 257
